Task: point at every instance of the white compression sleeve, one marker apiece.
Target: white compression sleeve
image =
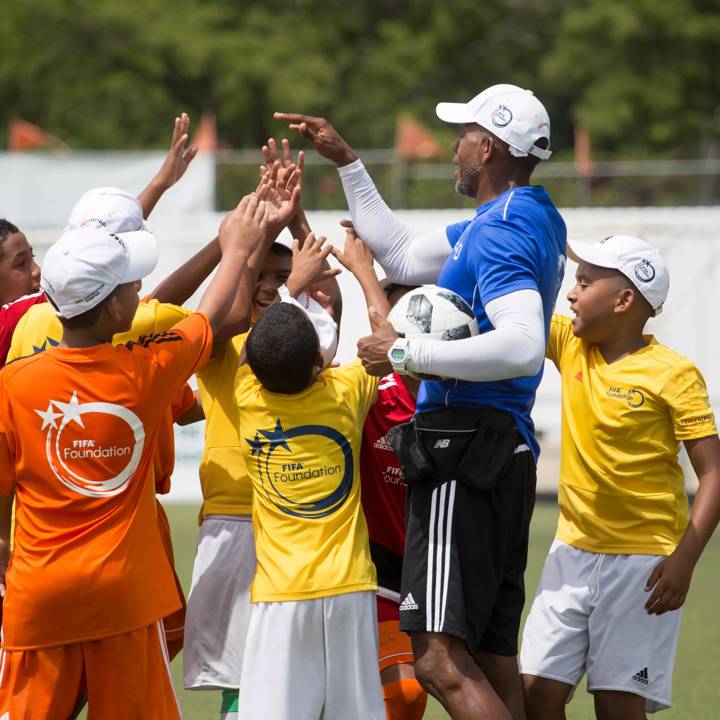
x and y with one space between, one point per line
404 257
514 348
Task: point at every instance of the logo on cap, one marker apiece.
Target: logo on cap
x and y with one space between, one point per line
644 271
502 116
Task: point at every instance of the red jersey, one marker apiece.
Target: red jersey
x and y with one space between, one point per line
383 494
10 315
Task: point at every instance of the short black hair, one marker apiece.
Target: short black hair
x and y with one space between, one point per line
6 228
280 249
86 319
282 349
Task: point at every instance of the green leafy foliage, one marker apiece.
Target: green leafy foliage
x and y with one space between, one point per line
641 75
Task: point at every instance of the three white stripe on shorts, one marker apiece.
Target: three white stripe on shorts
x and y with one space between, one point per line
439 556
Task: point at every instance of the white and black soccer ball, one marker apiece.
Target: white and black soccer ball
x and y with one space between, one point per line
435 313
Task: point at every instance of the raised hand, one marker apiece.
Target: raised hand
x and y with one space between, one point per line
326 139
244 228
308 264
280 186
356 255
373 349
179 156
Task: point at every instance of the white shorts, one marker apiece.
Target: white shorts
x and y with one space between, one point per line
312 659
588 616
218 606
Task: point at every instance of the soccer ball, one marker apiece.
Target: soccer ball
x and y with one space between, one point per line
435 313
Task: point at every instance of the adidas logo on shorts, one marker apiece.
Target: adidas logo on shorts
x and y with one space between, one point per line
641 677
383 444
408 603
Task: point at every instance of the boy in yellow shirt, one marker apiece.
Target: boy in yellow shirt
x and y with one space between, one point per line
622 560
311 647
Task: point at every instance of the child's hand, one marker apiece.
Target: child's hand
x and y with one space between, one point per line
669 582
356 256
309 264
244 227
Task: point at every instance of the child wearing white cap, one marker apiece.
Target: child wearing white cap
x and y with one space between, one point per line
89 581
619 569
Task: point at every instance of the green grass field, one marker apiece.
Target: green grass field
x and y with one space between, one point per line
695 690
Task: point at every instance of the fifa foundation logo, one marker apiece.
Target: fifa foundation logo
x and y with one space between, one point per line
92 448
297 466
634 398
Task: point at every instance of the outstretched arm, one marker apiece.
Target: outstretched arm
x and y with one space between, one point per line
358 259
404 257
241 232
177 287
176 163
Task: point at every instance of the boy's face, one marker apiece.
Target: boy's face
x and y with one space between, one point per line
19 273
274 273
124 305
596 300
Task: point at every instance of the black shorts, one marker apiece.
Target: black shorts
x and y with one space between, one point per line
465 557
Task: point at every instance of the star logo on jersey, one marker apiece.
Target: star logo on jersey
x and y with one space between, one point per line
48 341
293 462
82 461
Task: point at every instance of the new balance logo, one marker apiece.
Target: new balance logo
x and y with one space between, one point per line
442 443
407 604
380 444
641 677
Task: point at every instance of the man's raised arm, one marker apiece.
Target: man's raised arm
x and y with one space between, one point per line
406 258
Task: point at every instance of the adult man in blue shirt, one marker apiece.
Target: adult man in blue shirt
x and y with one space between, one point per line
467 533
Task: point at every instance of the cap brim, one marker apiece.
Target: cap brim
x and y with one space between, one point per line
143 252
456 113
592 253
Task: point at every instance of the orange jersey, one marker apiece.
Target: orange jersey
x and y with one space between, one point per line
78 433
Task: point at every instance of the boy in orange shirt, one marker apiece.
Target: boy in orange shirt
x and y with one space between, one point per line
88 580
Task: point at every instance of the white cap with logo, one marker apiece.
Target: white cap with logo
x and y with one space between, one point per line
637 260
107 207
85 265
507 111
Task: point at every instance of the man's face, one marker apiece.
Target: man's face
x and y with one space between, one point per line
468 148
19 273
274 273
594 300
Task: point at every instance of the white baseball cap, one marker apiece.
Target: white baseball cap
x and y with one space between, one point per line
637 260
110 208
513 114
85 265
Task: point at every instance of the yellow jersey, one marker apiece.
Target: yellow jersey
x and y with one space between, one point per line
621 487
303 453
40 329
226 487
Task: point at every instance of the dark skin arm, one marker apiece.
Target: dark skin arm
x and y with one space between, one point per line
358 259
670 580
177 287
193 414
241 232
176 163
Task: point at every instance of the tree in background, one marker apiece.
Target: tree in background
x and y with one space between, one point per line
640 76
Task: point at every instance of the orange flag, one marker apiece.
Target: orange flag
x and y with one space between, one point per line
413 141
206 135
583 151
23 135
